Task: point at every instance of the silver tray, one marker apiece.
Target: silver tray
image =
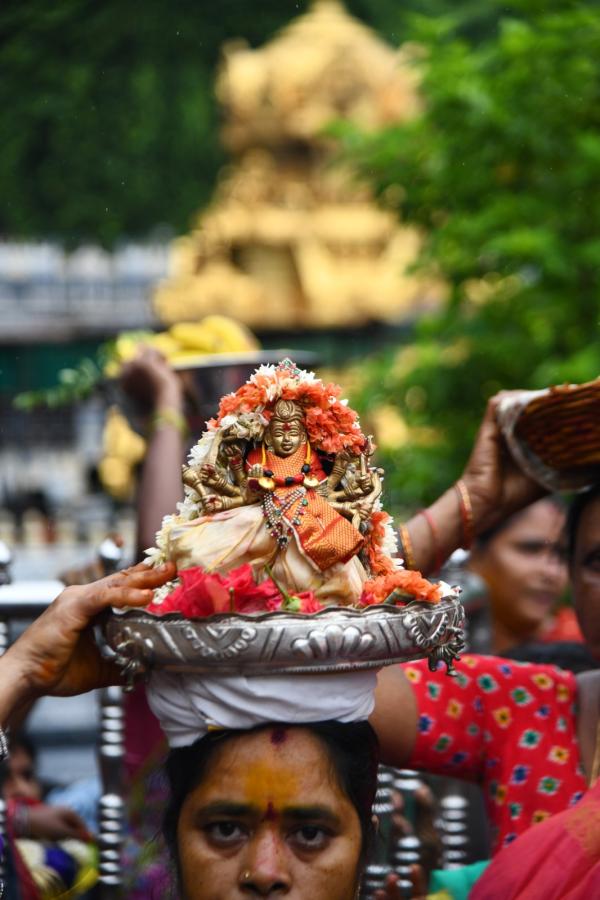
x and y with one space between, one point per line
336 639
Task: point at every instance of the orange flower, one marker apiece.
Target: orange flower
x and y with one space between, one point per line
379 562
331 425
333 429
406 584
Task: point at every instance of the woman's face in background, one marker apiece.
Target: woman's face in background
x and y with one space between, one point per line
525 569
269 820
585 575
20 781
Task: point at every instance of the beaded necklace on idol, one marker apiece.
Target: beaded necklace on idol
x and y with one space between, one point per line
275 508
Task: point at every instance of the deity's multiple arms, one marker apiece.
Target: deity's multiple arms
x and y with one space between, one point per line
352 487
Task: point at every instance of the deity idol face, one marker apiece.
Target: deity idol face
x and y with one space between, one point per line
286 430
269 819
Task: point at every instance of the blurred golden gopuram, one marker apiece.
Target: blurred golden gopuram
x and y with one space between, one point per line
290 239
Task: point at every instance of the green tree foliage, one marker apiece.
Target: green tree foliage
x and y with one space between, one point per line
109 125
502 173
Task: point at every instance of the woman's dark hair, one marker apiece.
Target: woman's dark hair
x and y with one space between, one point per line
570 655
576 510
21 741
483 539
352 748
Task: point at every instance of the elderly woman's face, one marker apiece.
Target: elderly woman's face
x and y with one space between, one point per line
269 820
586 575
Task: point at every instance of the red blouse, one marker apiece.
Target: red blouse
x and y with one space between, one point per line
562 627
507 725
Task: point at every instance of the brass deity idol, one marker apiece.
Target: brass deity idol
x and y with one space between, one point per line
277 499
352 486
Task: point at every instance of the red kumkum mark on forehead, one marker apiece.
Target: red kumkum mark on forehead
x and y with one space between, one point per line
270 815
278 736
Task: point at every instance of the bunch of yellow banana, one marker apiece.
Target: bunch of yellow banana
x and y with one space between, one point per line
184 342
123 450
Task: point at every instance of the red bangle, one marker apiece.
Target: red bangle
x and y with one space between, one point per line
466 512
438 559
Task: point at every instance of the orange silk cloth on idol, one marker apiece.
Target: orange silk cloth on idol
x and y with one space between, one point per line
326 537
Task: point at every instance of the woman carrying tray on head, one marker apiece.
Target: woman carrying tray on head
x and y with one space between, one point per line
56 655
395 718
492 487
438 739
337 543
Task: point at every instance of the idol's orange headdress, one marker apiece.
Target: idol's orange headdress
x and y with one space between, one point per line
331 425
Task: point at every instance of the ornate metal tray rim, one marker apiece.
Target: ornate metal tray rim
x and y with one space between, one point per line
279 616
286 643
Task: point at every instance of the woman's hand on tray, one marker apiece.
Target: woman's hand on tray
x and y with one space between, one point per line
57 653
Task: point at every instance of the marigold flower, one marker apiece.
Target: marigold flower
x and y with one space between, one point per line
331 425
404 584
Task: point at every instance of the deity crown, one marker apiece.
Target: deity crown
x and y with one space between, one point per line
288 411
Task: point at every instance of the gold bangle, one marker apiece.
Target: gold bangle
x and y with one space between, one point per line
167 417
466 512
407 549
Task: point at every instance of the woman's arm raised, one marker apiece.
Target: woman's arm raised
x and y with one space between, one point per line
150 380
495 487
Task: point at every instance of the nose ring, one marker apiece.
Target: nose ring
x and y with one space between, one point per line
247 875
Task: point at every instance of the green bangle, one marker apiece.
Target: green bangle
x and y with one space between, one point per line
169 418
